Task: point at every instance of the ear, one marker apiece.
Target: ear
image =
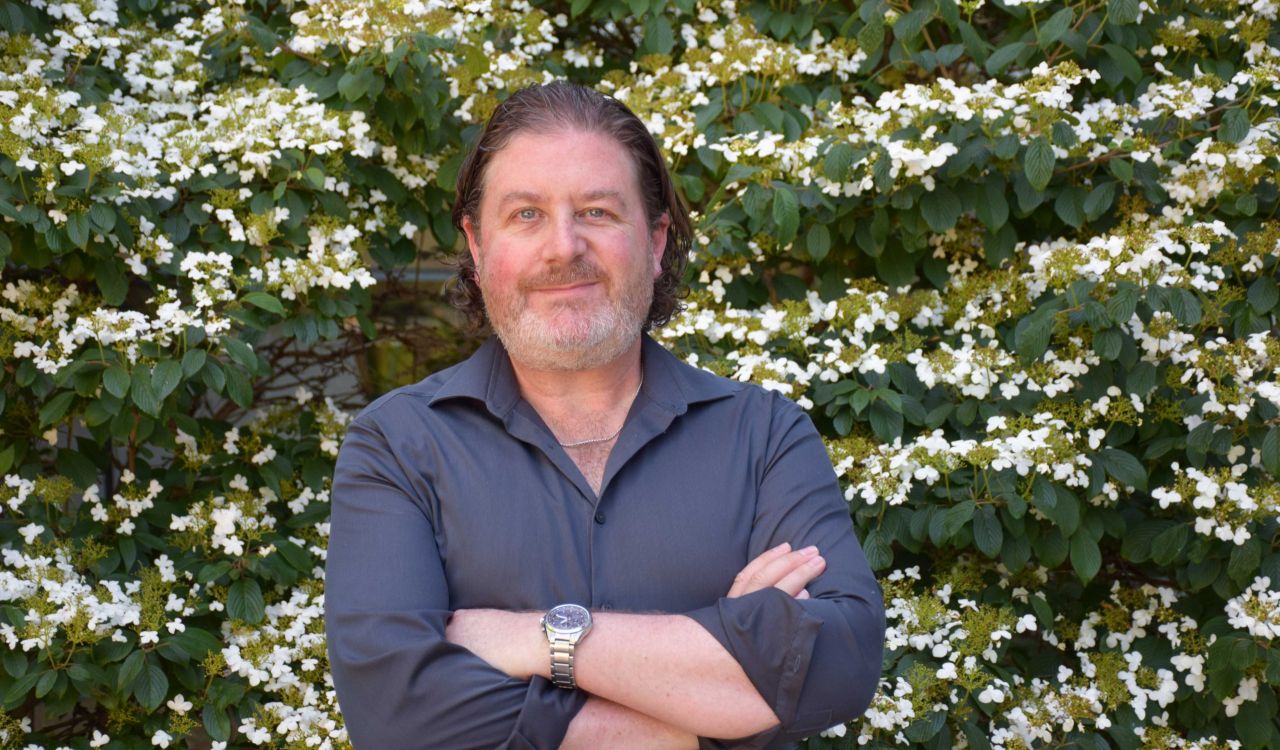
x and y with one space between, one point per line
472 233
658 242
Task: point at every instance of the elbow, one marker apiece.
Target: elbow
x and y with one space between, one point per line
863 657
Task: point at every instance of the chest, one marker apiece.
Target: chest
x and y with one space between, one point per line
669 532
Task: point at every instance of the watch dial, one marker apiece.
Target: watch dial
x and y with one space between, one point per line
567 618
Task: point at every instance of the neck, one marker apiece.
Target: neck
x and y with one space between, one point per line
594 392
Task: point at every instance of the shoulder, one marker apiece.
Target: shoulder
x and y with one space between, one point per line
409 400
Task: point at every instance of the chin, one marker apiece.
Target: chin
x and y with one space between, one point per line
567 351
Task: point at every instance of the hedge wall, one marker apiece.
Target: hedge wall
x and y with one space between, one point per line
1018 259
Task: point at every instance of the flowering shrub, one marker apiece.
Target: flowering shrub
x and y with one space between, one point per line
1017 259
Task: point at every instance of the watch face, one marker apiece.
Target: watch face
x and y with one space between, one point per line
568 617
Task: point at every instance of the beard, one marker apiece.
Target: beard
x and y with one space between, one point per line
574 334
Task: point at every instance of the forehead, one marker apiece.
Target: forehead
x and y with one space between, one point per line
561 163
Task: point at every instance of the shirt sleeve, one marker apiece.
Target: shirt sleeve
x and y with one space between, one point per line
815 661
400 684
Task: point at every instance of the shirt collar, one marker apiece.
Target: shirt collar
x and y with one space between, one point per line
486 376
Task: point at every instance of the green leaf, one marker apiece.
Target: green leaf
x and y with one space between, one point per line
988 532
1032 335
993 208
1065 514
1124 61
955 518
1124 468
78 228
355 83
1121 12
296 556
1263 295
835 166
1245 561
1038 163
151 687
1271 451
264 301
786 214
1069 205
1121 169
17 692
1043 495
879 553
1052 30
1254 725
193 361
115 379
1108 344
111 281
239 387
45 684
130 669
1086 558
102 217
885 422
1140 539
55 407
197 643
1099 200
244 601
1168 545
314 177
142 393
217 722
165 377
941 208
1000 59
240 352
1235 126
658 36
871 36
15 663
818 242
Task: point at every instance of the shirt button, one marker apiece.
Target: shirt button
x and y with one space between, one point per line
606 606
600 517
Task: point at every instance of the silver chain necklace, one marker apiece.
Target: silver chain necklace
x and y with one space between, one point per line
606 439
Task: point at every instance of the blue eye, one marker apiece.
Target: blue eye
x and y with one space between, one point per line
527 214
596 213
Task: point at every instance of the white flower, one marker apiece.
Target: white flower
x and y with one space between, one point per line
179 704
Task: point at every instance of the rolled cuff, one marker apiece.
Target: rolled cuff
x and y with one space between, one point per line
772 638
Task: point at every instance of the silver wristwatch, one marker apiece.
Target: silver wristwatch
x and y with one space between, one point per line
565 625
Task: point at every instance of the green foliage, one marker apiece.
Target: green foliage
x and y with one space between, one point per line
1019 261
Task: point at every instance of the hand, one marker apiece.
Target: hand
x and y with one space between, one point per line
781 567
509 641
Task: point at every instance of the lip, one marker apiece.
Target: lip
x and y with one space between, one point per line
566 288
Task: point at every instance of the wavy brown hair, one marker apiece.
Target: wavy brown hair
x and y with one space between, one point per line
560 105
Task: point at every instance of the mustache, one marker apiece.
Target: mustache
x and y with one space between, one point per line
578 271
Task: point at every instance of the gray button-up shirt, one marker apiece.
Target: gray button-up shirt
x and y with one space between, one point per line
452 493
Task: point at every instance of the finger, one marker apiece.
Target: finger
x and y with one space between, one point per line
754 567
804 594
775 570
795 581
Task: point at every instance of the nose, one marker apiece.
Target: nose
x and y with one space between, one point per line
566 241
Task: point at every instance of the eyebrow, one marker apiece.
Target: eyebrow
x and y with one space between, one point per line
526 196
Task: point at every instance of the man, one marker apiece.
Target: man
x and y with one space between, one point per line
714 593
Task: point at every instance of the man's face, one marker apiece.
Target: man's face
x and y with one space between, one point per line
564 254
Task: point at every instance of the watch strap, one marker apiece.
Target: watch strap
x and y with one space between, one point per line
562 649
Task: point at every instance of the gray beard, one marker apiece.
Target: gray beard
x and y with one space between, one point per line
604 338
597 340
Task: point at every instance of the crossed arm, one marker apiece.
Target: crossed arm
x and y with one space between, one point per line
655 681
